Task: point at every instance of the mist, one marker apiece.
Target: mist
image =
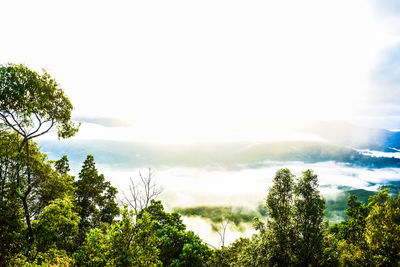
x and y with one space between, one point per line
188 187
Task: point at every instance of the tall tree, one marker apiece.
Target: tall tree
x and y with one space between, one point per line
95 198
308 220
279 203
47 185
11 212
32 104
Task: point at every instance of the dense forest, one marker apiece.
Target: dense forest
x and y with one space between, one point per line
50 218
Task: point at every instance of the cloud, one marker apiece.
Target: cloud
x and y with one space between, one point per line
103 121
185 187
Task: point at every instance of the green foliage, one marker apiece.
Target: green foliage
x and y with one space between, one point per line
280 223
134 243
12 229
93 251
383 229
336 208
371 234
95 198
11 212
45 186
162 218
57 226
62 165
231 255
26 95
52 257
308 220
125 243
177 247
350 234
295 233
49 185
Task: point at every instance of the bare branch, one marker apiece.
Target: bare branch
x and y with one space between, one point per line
17 123
42 133
222 233
140 194
11 125
39 126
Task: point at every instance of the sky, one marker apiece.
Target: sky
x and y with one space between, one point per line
194 71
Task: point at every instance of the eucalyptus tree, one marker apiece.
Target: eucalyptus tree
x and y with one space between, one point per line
279 203
31 104
309 220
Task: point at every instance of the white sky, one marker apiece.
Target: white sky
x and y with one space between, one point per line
201 70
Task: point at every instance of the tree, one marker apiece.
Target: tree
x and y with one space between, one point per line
308 220
95 198
57 226
350 234
47 185
280 223
129 242
140 194
62 165
221 231
32 104
294 234
11 212
383 229
177 247
232 255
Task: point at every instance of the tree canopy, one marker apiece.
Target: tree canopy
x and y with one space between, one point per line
33 103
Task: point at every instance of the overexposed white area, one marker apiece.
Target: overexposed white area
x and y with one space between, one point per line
201 70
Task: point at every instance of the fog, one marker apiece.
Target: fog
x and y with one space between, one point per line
186 187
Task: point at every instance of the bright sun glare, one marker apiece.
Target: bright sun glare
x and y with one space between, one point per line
181 71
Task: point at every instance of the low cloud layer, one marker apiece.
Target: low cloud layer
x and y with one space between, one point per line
188 187
185 187
103 121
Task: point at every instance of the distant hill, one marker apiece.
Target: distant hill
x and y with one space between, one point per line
127 154
342 133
